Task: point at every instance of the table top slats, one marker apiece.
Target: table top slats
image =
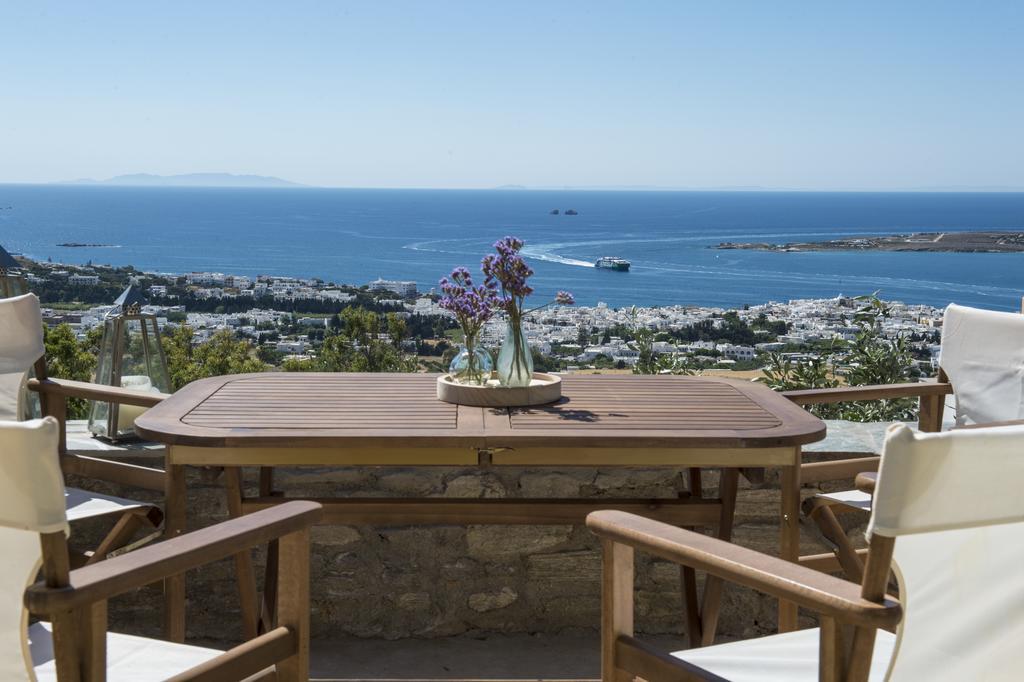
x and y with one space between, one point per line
402 410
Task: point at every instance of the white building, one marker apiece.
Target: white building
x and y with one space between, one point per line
205 278
87 280
737 352
405 289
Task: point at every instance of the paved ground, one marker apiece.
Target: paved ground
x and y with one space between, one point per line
491 657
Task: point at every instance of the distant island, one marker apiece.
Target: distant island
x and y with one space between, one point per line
79 245
958 242
189 180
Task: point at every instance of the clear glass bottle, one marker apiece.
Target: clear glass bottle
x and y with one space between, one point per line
472 365
515 361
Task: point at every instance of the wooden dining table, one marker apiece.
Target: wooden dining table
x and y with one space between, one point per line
395 420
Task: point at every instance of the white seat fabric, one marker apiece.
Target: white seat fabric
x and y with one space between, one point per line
789 657
983 357
32 501
83 504
21 344
129 658
854 499
952 502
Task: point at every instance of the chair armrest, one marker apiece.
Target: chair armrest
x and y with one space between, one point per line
150 564
842 394
865 482
806 587
81 389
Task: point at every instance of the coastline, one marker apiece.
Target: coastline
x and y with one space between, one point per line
1007 241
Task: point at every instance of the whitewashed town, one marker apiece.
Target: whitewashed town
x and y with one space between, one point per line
575 338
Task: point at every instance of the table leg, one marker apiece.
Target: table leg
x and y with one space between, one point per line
688 576
247 593
789 540
174 525
713 584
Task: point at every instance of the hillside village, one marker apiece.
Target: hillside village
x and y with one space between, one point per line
290 316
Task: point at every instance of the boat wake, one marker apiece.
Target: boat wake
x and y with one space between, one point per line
541 253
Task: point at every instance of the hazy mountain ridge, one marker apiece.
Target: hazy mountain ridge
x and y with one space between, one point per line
188 180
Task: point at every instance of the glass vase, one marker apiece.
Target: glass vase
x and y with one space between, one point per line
515 361
472 365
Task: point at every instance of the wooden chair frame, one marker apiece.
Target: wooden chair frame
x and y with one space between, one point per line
850 614
844 556
53 397
75 601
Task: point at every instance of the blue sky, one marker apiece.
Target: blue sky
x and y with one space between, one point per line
870 95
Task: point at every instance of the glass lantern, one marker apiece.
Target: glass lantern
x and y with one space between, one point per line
130 356
12 281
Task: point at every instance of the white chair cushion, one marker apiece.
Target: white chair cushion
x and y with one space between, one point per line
789 657
849 498
83 504
129 658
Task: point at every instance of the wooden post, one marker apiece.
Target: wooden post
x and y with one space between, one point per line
56 573
293 603
91 625
876 582
832 656
713 584
247 594
174 525
931 408
930 412
616 603
789 540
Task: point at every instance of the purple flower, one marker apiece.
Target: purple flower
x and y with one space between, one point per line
507 269
471 305
565 298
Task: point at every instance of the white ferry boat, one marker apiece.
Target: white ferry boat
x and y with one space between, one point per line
613 263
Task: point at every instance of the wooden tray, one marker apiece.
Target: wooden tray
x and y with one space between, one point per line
543 389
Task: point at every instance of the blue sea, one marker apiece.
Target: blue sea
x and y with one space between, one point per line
354 236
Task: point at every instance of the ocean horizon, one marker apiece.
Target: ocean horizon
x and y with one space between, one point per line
353 236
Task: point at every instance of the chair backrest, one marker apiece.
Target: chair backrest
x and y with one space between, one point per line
31 502
952 503
21 344
983 357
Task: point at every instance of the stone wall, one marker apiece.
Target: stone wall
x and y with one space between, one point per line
394 582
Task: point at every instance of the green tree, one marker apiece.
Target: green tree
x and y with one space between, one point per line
66 358
583 337
360 347
222 354
869 359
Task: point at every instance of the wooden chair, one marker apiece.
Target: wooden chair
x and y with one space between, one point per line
981 366
74 644
21 348
947 520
